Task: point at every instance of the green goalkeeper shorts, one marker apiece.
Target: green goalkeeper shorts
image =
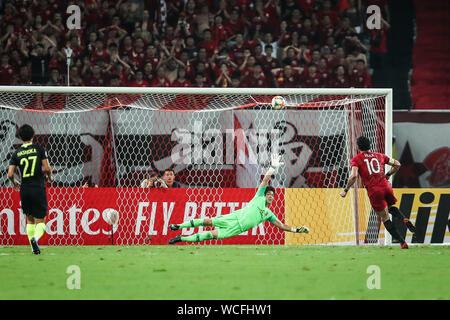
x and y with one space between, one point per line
227 226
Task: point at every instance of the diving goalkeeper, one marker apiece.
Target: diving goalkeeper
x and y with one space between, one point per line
241 220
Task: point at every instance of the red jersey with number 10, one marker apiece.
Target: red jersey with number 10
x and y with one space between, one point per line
371 168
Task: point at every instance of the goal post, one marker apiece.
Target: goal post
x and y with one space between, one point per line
218 143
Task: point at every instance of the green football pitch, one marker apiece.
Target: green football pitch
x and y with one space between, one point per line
225 272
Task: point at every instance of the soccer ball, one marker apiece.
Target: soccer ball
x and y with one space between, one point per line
278 102
111 216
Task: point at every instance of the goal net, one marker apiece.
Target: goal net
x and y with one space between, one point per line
104 142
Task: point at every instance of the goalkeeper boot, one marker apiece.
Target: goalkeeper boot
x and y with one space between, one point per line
174 227
35 246
404 246
175 240
409 225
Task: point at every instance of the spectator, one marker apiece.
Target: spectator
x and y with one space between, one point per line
325 29
6 70
295 22
23 78
89 184
338 59
139 80
160 80
268 39
284 36
236 80
327 10
172 66
237 24
354 56
271 12
112 34
190 13
311 78
268 63
96 79
287 8
359 77
127 46
344 30
208 42
114 81
153 181
255 79
292 56
147 25
310 31
340 78
55 78
324 71
169 179
237 49
223 77
204 73
247 66
287 77
39 64
181 80
326 54
315 56
190 47
99 52
151 56
138 55
354 14
148 74
202 22
220 31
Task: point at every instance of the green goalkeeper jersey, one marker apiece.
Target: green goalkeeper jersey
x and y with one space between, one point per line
255 212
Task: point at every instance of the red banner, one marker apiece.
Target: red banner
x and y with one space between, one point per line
76 216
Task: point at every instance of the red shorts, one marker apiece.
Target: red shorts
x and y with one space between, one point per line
380 197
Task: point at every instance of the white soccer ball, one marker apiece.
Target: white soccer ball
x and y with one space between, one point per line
278 102
111 216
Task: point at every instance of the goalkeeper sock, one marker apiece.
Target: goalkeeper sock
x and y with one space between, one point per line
198 237
391 229
192 224
30 230
40 230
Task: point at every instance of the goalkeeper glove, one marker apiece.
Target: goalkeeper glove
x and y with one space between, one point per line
276 161
303 229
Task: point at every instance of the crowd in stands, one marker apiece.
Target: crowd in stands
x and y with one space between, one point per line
178 43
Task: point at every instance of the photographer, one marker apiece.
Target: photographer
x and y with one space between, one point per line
154 181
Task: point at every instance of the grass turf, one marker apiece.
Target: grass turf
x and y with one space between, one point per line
225 272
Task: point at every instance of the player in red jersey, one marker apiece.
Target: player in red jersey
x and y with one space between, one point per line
370 166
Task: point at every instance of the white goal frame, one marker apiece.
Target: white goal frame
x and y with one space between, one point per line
387 92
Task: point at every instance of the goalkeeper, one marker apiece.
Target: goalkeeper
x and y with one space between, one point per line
241 220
